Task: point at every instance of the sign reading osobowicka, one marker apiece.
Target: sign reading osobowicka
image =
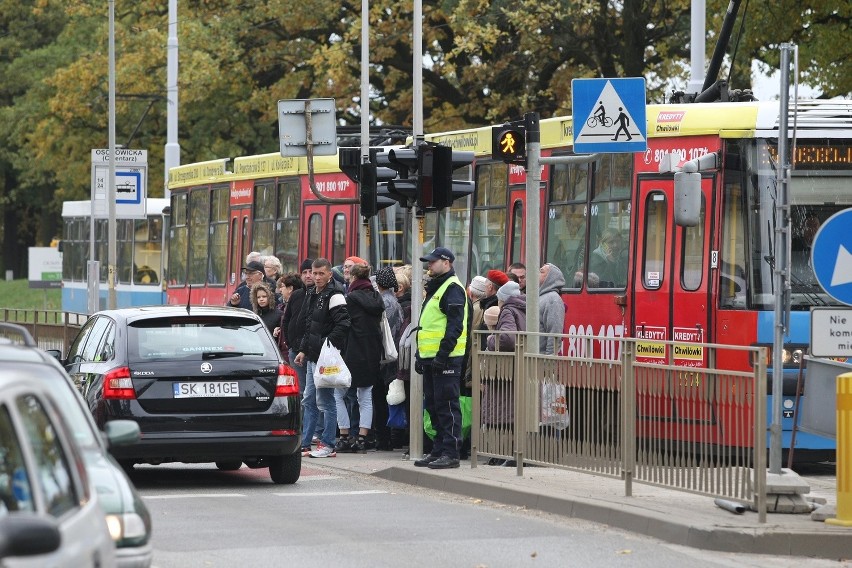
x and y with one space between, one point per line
131 183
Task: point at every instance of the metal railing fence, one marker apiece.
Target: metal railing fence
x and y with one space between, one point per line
686 424
51 329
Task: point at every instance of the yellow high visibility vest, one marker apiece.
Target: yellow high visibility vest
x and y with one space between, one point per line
433 324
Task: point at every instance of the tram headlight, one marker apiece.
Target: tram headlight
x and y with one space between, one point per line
797 356
791 355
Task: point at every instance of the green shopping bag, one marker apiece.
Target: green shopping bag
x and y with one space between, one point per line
466 405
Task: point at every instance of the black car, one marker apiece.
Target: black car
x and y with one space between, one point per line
205 384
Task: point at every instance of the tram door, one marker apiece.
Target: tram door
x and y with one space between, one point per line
239 231
517 240
672 303
329 231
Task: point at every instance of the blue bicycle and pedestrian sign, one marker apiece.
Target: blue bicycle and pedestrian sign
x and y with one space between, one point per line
609 115
831 256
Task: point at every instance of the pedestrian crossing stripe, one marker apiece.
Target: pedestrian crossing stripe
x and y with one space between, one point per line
609 115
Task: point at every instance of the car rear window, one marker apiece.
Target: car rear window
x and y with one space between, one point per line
197 338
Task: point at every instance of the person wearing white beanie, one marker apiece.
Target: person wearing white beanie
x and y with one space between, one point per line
477 288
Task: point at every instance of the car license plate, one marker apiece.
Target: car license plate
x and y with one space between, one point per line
206 389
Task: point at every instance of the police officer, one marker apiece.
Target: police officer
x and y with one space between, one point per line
441 343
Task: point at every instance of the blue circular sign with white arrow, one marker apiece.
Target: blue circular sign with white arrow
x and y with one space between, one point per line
831 256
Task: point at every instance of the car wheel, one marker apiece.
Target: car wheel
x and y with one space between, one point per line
229 465
285 469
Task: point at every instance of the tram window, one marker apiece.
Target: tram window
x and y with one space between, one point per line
199 233
608 244
692 251
102 246
218 236
567 224
517 231
124 251
315 236
609 223
566 241
733 283
236 261
570 183
489 218
178 241
287 232
147 253
653 262
264 219
245 240
612 177
338 249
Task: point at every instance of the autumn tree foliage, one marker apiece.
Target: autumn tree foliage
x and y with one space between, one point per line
484 61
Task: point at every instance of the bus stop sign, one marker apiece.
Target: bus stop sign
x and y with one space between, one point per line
831 256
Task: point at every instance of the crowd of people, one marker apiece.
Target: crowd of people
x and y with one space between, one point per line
348 306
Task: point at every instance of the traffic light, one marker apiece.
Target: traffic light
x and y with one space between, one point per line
508 143
367 175
369 190
446 189
404 162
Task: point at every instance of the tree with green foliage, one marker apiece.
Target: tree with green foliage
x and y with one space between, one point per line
484 61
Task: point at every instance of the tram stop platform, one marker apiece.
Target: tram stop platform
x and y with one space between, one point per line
677 517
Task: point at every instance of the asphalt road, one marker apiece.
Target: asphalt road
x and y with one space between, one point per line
206 518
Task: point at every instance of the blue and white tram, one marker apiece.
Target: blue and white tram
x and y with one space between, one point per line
140 260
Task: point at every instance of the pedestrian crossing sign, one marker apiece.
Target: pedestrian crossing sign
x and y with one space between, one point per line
609 115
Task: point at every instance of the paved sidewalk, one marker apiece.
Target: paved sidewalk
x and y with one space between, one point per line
674 516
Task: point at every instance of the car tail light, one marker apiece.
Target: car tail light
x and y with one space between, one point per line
288 384
118 384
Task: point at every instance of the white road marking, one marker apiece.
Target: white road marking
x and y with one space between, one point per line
193 496
330 493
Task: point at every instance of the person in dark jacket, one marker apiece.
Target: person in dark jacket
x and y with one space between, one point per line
263 304
293 326
386 284
326 318
362 356
286 286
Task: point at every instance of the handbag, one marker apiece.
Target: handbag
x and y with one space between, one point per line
330 370
396 392
387 341
397 417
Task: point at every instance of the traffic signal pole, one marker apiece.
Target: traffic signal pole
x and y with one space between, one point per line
415 420
533 244
363 251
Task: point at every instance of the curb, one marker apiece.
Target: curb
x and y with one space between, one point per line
827 542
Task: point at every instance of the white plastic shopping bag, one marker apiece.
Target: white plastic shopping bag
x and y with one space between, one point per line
388 342
331 371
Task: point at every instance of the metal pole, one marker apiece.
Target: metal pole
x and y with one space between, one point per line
172 152
363 250
697 35
781 275
533 244
113 233
415 421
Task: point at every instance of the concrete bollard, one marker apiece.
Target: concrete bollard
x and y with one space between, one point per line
844 452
